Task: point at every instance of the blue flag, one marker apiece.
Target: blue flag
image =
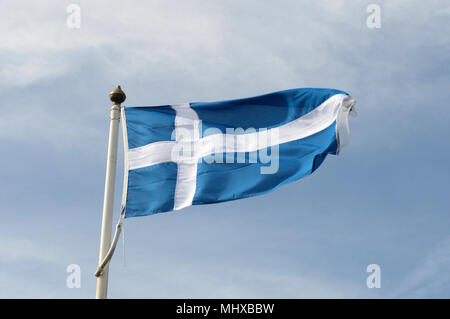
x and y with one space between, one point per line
209 152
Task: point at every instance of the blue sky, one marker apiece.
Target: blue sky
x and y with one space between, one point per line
384 200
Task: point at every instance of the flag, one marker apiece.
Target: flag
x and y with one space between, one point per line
209 152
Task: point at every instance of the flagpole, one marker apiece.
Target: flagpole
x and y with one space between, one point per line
117 96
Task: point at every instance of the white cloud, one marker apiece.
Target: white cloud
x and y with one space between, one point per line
210 280
14 250
431 276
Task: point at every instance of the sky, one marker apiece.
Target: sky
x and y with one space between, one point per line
384 200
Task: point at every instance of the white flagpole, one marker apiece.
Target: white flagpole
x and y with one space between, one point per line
117 96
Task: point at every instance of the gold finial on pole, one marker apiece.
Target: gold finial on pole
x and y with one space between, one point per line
117 96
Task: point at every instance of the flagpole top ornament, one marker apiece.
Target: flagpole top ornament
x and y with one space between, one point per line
117 96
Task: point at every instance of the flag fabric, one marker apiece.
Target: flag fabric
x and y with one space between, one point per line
210 152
